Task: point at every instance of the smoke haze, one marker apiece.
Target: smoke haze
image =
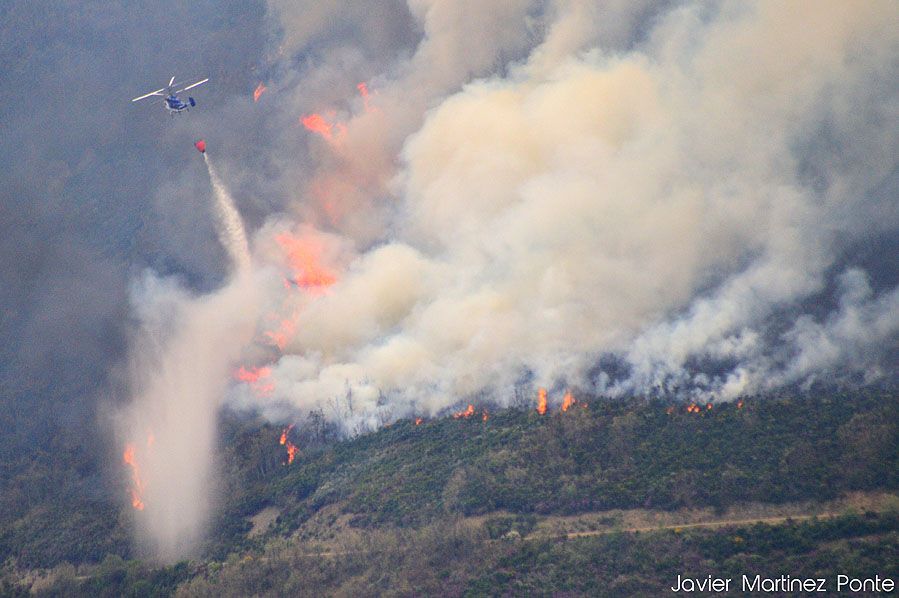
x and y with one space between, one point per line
667 192
695 200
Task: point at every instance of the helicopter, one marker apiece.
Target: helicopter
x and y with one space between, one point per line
172 102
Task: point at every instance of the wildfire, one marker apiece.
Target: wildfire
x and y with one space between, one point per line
137 486
253 374
740 404
693 408
541 401
418 421
257 93
465 414
304 256
280 337
485 415
256 378
318 124
292 449
284 434
568 401
366 101
708 406
329 128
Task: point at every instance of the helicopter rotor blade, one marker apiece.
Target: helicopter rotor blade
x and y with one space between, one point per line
172 80
158 92
193 85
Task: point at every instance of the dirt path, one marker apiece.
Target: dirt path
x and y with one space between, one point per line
678 526
712 524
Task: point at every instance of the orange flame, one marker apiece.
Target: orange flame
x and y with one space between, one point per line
740 404
260 89
253 374
256 378
541 401
137 488
708 406
284 434
693 408
317 124
292 449
333 130
568 401
280 337
485 416
465 414
304 256
418 421
366 101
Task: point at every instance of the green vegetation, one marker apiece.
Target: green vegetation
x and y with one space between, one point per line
611 454
445 506
648 564
449 559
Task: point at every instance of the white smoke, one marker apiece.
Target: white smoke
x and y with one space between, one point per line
649 203
537 185
180 359
662 201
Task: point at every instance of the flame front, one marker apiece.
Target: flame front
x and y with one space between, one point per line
418 421
292 449
568 401
303 255
317 124
465 414
333 131
257 378
284 434
257 93
541 401
137 486
304 258
253 374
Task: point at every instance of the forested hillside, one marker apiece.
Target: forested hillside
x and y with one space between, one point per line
456 488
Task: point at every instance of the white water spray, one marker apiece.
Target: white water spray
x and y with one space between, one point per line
180 362
230 226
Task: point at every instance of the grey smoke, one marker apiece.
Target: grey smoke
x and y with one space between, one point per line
545 190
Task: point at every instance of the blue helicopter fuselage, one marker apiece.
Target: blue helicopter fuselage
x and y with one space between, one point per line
174 104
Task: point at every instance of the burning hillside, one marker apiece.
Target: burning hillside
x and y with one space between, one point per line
526 199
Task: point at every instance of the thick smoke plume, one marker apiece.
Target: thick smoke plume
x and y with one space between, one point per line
619 197
673 191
